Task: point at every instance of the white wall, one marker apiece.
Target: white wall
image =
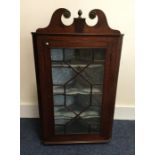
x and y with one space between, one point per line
37 13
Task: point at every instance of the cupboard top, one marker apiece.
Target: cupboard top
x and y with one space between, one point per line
79 25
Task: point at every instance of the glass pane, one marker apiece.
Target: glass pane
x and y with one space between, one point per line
99 54
58 89
78 55
57 54
94 73
78 86
57 73
77 76
77 103
58 100
97 89
76 126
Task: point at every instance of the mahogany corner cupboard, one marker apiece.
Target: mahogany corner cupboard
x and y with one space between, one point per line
76 70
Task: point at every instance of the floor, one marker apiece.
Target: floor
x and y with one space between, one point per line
123 141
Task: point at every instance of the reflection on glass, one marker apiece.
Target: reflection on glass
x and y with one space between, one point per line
61 75
77 76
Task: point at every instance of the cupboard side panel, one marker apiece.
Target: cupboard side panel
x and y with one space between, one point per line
35 54
109 103
43 85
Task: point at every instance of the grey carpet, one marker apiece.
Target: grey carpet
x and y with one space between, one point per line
123 141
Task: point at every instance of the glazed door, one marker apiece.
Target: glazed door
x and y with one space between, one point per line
77 84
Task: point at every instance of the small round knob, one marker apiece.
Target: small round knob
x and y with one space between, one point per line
47 43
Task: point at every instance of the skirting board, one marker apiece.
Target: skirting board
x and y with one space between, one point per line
121 112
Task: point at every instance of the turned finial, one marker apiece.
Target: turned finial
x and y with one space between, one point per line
79 13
